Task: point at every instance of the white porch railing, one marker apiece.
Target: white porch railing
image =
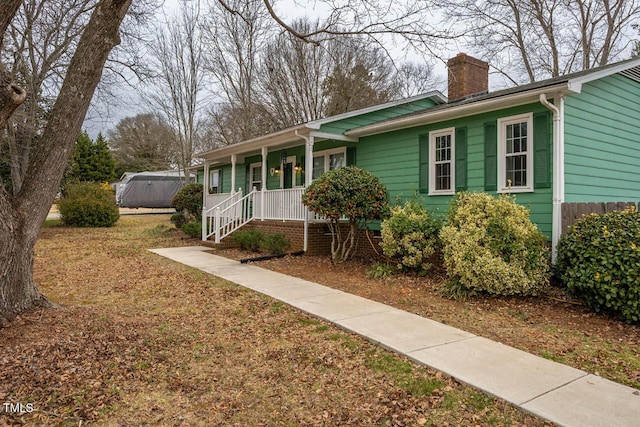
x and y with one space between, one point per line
234 216
235 211
212 200
208 214
281 205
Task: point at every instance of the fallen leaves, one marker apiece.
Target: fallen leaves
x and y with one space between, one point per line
145 341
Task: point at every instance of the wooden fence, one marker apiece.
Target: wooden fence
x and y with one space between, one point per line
571 212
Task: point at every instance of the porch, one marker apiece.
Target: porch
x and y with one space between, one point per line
224 213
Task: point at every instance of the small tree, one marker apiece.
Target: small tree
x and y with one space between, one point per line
91 161
350 193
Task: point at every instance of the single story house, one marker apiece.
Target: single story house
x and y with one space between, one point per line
574 138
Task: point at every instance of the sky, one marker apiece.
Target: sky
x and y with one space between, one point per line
104 116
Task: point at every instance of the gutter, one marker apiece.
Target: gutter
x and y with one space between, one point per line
558 169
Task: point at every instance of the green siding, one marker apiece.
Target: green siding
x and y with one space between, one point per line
340 126
602 141
393 157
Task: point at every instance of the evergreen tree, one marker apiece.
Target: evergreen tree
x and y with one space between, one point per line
91 161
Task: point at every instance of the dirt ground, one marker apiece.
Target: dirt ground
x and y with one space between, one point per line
554 325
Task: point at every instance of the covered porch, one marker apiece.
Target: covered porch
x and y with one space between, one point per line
264 179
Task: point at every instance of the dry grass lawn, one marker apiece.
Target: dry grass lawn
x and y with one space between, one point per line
145 341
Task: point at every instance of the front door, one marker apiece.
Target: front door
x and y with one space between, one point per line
288 173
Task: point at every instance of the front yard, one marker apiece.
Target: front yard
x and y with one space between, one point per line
554 325
144 341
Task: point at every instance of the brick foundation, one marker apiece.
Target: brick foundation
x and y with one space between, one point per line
319 242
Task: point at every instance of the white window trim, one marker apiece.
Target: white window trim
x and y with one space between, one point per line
253 166
502 153
432 162
210 182
327 153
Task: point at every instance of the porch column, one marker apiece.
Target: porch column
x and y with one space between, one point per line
205 191
308 178
205 184
264 182
233 173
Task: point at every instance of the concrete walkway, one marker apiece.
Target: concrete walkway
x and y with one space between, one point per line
550 390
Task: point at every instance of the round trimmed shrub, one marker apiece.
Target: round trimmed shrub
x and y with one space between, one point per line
490 245
88 205
599 262
348 192
188 200
410 236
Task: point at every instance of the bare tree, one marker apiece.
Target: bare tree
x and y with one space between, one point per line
23 211
528 40
361 75
369 18
414 78
292 76
235 42
178 87
142 143
37 53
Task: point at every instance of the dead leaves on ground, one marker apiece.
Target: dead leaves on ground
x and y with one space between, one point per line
144 341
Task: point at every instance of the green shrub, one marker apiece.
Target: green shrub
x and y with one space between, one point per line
178 219
380 271
275 243
490 245
249 240
188 200
350 193
193 228
599 262
410 236
88 205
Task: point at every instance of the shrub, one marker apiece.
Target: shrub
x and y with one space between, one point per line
351 193
275 243
490 245
410 236
188 200
599 262
380 271
178 219
193 228
248 239
88 205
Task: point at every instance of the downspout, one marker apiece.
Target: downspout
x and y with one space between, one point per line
308 177
558 170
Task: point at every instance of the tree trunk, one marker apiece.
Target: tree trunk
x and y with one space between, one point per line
22 214
18 292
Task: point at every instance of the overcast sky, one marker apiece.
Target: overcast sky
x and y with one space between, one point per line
105 115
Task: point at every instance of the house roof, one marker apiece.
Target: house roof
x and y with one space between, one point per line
292 135
518 95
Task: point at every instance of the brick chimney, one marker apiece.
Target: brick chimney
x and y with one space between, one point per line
467 76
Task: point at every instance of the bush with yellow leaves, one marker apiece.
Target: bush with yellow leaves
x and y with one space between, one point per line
491 246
